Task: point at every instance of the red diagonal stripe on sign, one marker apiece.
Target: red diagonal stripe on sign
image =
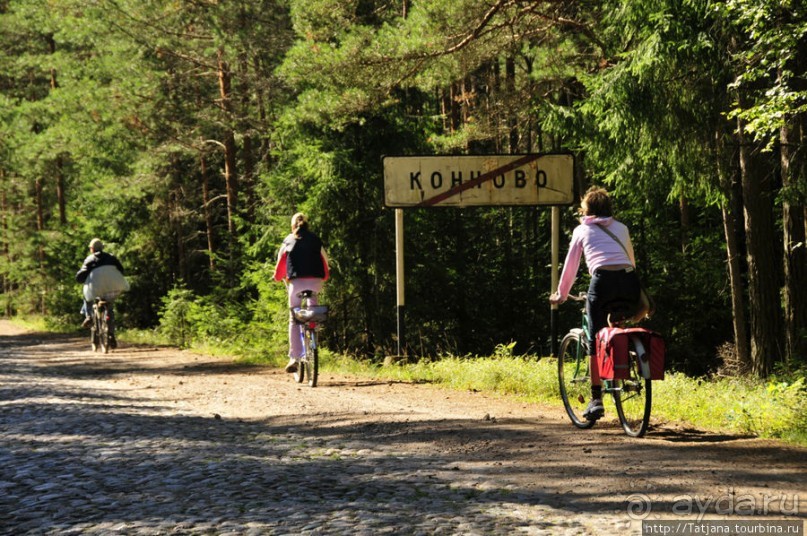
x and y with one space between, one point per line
478 180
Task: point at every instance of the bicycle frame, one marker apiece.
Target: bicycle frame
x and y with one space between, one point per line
308 364
101 325
632 396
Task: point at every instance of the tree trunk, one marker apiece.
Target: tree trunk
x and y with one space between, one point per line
211 254
5 240
683 207
60 196
444 107
175 214
763 283
512 120
260 102
248 157
496 85
230 179
60 193
454 103
52 49
795 250
248 148
40 218
732 211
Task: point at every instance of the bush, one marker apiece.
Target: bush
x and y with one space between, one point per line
248 331
175 323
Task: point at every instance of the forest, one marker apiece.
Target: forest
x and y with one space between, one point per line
185 133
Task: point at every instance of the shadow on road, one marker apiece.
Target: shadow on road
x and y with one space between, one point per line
61 442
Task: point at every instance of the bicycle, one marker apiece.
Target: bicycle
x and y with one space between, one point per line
102 329
632 395
309 315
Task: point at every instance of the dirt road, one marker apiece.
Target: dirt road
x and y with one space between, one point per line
88 441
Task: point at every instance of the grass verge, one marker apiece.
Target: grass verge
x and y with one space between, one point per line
772 408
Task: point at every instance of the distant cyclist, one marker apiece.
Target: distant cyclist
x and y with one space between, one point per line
102 276
610 261
303 265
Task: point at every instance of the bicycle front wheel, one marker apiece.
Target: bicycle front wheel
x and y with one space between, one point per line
311 357
299 374
633 397
574 378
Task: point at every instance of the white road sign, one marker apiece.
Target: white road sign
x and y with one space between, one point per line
461 181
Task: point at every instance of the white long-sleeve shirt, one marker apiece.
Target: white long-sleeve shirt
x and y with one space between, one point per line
598 247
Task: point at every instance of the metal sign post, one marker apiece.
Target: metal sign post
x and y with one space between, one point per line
399 278
553 314
489 180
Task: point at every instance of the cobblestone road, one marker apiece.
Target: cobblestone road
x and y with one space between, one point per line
87 446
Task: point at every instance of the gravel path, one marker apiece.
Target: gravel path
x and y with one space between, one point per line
148 441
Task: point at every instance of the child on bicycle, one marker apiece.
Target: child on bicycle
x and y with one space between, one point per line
303 265
613 277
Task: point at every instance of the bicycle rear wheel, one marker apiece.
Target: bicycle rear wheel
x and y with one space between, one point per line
94 331
574 378
311 357
103 330
633 397
299 374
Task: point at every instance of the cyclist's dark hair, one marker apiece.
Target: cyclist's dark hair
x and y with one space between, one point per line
596 202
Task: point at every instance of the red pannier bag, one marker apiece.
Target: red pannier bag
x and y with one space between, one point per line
612 352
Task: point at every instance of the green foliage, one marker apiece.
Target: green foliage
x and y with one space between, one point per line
63 304
504 350
773 408
188 320
266 333
117 107
175 321
773 36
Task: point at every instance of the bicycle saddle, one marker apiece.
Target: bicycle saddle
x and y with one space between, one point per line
305 294
619 311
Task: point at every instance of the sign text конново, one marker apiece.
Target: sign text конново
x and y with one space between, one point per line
535 179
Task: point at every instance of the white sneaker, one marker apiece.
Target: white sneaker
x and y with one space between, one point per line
595 410
292 366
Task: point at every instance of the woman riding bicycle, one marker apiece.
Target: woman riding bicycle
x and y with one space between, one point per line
613 278
303 265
